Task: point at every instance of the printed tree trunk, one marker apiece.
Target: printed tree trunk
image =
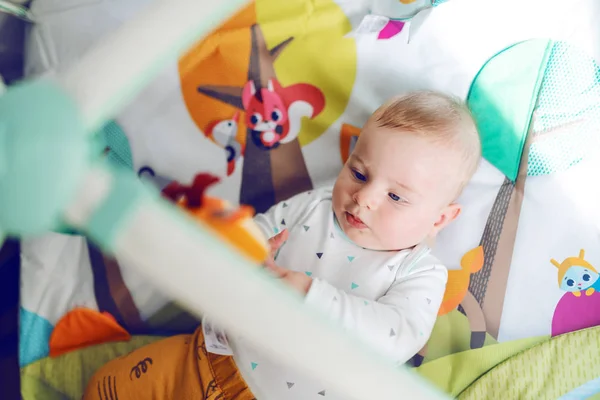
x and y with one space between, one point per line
498 239
268 176
112 294
274 175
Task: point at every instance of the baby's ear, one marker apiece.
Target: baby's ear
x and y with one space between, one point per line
448 214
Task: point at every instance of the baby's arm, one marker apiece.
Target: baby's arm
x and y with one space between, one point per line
400 322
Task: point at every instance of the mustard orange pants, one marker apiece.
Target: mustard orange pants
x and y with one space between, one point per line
177 368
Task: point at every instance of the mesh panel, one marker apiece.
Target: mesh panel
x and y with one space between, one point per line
115 139
566 124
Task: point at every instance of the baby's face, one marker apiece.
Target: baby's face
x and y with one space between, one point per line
395 190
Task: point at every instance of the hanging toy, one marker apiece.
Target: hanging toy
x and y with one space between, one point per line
232 224
390 18
401 9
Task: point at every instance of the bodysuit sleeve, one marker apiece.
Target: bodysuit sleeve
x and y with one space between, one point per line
400 322
286 214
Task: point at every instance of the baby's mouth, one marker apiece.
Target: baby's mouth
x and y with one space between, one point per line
354 221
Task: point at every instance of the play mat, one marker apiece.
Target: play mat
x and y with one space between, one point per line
522 304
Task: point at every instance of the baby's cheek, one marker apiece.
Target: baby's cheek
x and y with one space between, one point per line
388 230
402 231
395 234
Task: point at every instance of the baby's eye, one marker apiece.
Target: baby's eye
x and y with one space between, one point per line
358 175
394 197
586 277
570 282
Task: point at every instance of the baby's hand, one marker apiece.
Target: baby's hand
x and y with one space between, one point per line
276 242
296 280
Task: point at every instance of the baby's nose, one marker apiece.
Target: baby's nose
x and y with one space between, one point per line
367 198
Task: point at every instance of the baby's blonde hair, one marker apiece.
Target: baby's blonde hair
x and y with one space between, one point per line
439 117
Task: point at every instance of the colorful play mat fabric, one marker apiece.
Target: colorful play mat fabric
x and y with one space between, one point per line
522 302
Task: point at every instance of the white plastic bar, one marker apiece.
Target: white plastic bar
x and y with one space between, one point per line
109 75
208 277
12 8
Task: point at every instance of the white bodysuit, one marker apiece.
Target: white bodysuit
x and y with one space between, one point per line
389 298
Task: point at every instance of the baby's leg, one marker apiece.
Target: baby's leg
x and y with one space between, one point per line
150 372
177 368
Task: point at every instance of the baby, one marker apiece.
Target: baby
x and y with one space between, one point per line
358 252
